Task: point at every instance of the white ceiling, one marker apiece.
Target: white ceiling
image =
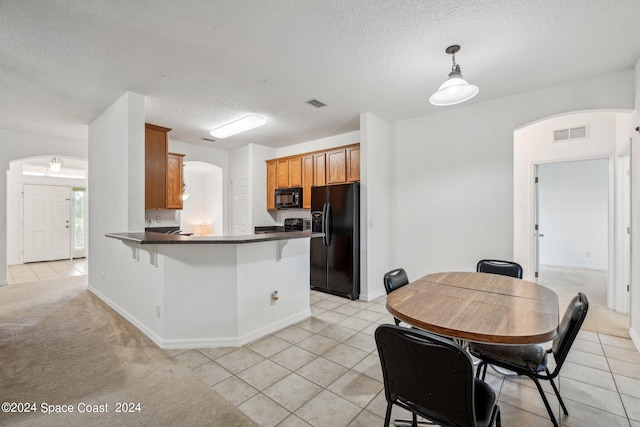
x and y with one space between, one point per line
202 63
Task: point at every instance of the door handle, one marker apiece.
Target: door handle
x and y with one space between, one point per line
541 235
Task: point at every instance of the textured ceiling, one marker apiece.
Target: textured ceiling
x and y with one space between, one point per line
201 64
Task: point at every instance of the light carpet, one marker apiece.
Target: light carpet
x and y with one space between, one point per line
61 345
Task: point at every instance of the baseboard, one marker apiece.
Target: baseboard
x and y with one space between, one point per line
581 267
131 319
372 296
191 343
635 338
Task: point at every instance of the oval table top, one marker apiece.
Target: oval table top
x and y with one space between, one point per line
478 307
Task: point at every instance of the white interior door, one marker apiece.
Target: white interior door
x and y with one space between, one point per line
46 223
240 207
626 233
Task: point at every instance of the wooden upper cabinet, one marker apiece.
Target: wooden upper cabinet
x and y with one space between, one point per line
175 180
271 184
156 145
307 180
319 169
336 166
282 173
295 172
353 163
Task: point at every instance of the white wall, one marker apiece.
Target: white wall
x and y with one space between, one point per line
116 185
260 216
15 187
18 145
533 145
573 206
452 185
375 219
635 218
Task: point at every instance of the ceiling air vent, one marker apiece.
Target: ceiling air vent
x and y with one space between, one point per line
562 135
316 103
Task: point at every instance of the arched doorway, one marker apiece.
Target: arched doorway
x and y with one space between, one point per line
202 212
547 144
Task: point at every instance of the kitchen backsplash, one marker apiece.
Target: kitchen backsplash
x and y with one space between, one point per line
162 218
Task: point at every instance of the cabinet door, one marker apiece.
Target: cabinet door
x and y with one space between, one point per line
175 181
271 184
282 173
336 166
353 164
307 181
295 172
319 168
156 145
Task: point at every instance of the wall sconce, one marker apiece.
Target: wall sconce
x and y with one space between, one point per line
55 164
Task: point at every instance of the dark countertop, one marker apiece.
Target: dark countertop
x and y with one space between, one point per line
151 238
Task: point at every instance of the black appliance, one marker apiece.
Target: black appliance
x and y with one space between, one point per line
293 224
289 198
335 258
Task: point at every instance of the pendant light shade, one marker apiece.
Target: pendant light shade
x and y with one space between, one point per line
55 164
455 89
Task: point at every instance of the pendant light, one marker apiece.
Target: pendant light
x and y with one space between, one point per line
455 89
55 164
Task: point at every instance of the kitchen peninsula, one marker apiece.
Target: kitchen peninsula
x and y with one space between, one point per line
209 291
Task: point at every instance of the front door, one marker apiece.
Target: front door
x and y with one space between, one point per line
47 232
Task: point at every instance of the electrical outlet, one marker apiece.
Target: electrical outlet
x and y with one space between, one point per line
588 254
157 310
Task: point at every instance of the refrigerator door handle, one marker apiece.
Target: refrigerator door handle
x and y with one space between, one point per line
324 224
329 226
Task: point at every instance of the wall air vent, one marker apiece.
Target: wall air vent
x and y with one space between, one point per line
316 103
562 135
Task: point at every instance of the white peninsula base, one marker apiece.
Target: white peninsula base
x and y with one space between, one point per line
207 295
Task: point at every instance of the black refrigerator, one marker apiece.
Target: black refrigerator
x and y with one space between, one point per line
335 258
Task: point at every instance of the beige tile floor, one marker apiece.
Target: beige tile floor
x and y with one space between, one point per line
46 270
325 372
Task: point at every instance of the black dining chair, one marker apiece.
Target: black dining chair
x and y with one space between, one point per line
531 360
496 266
393 280
433 377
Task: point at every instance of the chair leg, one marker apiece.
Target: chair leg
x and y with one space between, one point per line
553 384
545 401
498 421
387 417
479 374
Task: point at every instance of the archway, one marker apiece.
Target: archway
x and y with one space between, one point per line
202 212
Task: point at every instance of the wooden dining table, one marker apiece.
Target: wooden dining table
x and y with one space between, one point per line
479 307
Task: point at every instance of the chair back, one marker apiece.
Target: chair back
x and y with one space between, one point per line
495 266
428 374
569 328
395 279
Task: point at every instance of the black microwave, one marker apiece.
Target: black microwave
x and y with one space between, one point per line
289 198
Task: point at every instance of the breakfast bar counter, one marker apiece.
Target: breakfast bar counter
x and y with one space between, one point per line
207 291
153 238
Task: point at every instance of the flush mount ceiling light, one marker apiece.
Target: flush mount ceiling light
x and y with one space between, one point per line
242 125
455 89
55 164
